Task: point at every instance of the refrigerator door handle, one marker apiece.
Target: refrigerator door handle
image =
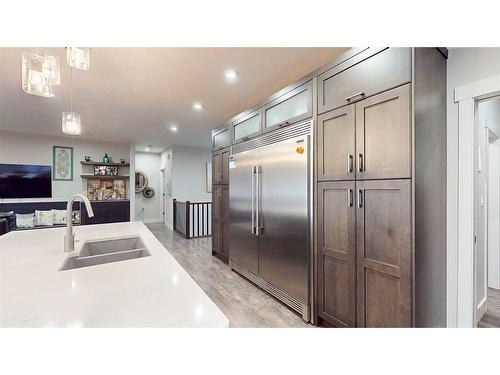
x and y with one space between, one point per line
253 199
258 171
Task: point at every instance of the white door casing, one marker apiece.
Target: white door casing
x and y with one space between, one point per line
460 258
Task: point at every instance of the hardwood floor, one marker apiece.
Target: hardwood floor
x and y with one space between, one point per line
243 303
491 319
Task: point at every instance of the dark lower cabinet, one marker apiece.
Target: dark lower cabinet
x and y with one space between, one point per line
365 264
106 212
384 256
337 253
220 221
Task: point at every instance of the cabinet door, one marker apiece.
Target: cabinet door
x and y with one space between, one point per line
384 256
247 127
216 220
118 212
224 220
217 167
100 214
336 138
289 108
337 253
220 138
383 135
362 76
225 166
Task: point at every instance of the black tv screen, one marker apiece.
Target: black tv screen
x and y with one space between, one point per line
25 181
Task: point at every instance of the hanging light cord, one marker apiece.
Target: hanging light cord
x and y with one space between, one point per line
71 90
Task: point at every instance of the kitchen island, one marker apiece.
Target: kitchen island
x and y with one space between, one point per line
152 291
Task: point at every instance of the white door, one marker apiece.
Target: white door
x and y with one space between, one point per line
493 211
480 221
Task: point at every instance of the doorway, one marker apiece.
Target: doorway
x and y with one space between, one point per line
487 212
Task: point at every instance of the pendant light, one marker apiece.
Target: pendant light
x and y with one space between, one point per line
40 72
71 121
37 74
78 57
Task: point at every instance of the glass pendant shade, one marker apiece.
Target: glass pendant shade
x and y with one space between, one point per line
35 77
51 68
78 57
71 123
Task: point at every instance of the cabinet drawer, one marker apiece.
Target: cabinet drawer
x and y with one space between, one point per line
291 107
247 127
220 138
363 76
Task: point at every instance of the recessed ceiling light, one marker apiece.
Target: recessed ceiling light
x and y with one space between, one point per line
173 128
147 149
197 106
231 75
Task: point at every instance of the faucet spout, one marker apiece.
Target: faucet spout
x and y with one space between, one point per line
69 239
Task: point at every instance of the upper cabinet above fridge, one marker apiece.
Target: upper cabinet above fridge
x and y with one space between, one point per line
366 74
289 108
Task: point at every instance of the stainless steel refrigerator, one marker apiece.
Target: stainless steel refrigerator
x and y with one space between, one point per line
270 218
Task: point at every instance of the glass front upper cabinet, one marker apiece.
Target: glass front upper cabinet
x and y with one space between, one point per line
247 127
220 138
293 106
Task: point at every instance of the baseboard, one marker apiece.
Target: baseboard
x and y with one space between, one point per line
151 221
481 309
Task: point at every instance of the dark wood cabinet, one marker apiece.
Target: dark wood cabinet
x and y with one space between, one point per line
336 144
337 253
384 255
220 167
363 76
106 212
225 221
220 221
383 135
216 221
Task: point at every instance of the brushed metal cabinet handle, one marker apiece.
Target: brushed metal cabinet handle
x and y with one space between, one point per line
361 94
360 198
349 163
360 163
349 197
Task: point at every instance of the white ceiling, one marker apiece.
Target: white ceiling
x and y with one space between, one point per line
135 94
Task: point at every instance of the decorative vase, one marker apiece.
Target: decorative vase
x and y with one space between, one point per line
87 158
122 161
105 159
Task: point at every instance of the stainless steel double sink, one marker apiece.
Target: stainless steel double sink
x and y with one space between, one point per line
98 252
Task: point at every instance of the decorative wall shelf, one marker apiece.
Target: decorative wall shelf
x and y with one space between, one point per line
100 163
97 177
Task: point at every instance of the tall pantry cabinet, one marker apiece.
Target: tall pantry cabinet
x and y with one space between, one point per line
220 192
380 184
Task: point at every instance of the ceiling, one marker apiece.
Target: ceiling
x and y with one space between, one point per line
136 94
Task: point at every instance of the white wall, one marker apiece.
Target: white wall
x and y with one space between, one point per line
149 210
166 165
186 166
23 148
188 173
465 65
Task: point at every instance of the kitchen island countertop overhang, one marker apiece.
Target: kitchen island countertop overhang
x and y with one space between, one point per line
153 291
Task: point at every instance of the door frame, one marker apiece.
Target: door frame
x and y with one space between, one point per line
460 249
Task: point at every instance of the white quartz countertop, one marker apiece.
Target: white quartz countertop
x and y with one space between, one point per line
153 291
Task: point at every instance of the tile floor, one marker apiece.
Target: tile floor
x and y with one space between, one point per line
244 304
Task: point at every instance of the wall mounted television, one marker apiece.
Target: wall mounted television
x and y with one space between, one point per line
25 181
